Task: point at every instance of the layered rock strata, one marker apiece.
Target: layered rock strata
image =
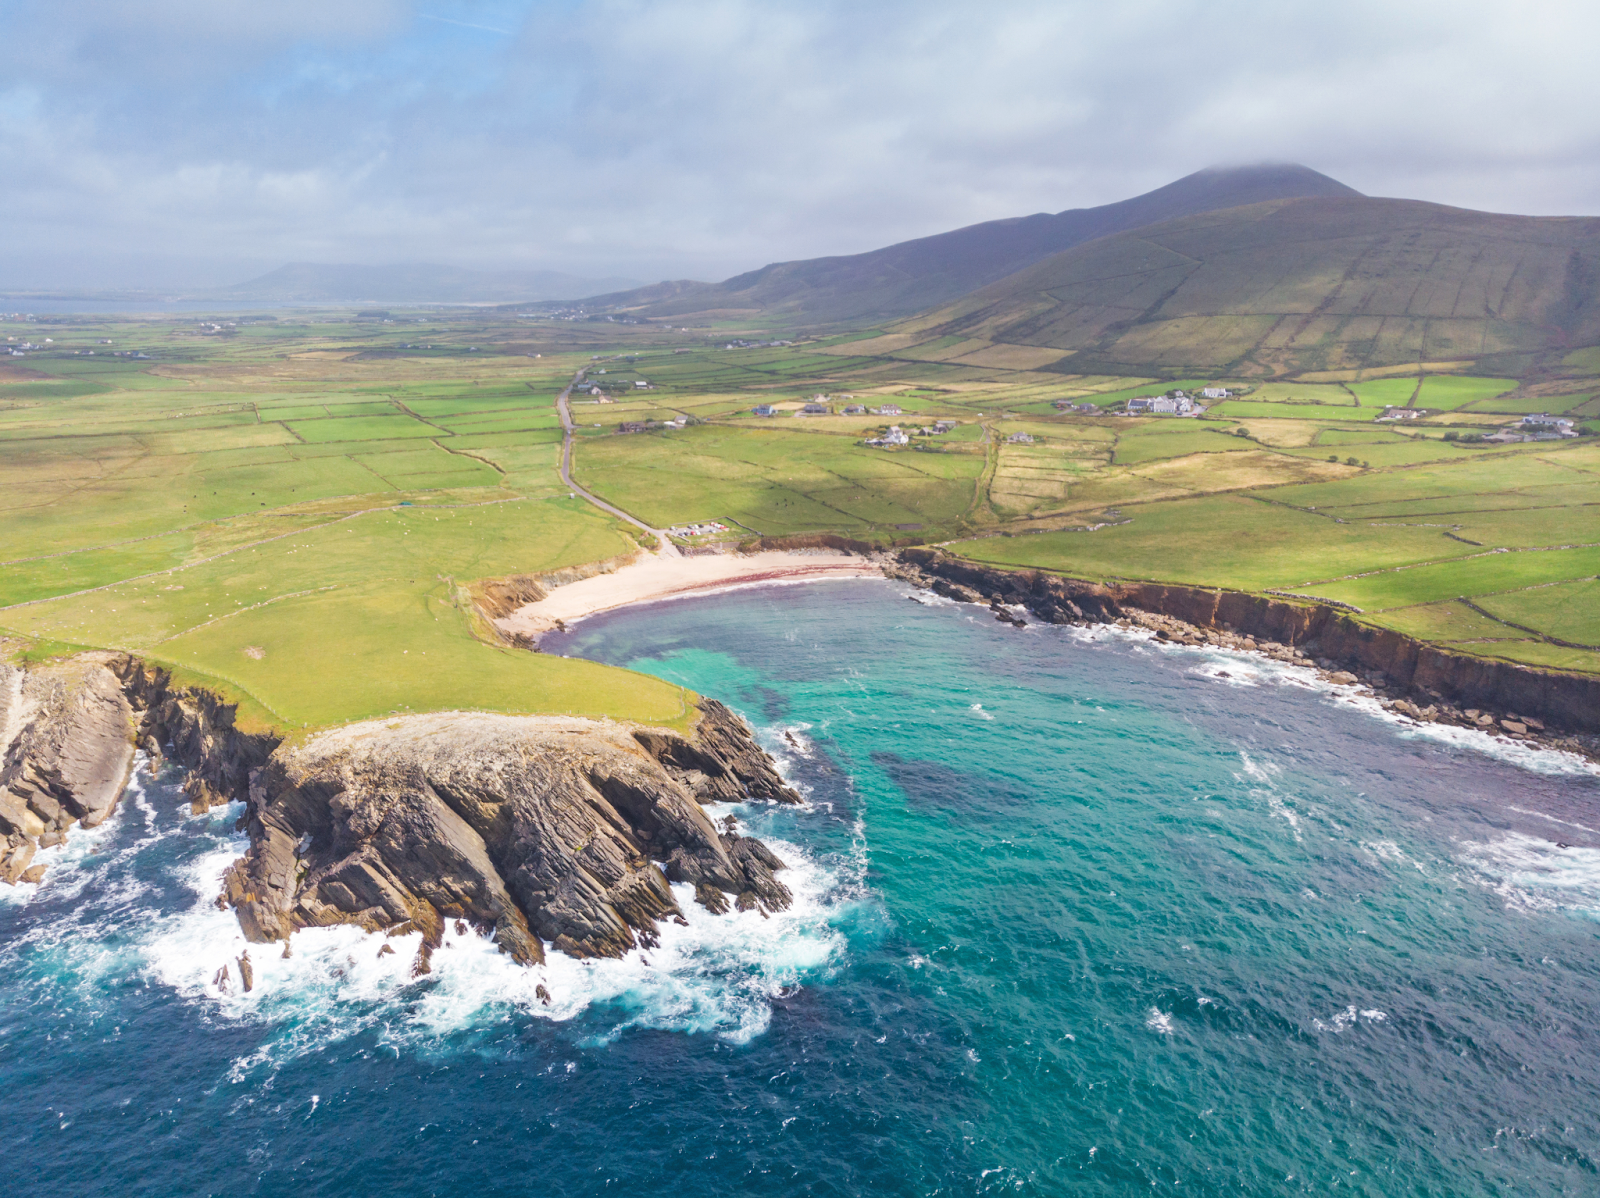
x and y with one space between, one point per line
69 732
536 828
1421 681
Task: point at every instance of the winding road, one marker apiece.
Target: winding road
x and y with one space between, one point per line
668 549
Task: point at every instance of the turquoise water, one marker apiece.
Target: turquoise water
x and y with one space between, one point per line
1077 914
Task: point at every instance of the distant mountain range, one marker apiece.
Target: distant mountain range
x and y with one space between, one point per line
915 275
314 282
1290 286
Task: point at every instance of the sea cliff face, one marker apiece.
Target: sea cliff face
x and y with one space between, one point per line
1569 702
537 829
69 732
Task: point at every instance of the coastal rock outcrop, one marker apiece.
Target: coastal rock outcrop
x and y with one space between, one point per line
536 828
66 751
1448 683
69 732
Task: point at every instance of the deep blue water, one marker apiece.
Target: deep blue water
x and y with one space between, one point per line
1076 915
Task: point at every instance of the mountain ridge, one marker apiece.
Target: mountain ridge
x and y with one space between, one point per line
1302 284
912 276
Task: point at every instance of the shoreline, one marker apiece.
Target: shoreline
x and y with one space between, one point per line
655 578
1416 690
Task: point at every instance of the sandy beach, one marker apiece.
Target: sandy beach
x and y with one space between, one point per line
657 577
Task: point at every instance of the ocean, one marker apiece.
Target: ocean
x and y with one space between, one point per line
1076 912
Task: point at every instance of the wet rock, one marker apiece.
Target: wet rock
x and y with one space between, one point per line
67 733
542 994
247 973
386 951
34 874
712 899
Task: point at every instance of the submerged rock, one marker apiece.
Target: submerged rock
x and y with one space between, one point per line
539 828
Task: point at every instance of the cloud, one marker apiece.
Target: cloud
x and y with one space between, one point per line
702 137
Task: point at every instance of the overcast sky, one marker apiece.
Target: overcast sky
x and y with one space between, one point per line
193 142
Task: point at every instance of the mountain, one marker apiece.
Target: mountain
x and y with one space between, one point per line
1288 286
914 275
314 282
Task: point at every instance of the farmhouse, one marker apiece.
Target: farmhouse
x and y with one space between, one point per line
1020 439
814 409
889 409
632 426
854 409
893 437
1214 392
763 409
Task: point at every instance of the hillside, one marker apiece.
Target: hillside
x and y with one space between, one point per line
316 282
1289 286
914 275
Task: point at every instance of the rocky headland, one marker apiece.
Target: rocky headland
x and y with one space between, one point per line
537 830
1421 682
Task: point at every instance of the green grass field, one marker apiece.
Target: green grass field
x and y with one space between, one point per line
291 510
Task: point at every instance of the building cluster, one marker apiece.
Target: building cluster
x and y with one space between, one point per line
1174 404
739 344
1391 414
1542 427
895 436
645 426
819 406
1020 439
706 528
1082 409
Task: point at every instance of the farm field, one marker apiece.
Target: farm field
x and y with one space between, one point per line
298 523
322 489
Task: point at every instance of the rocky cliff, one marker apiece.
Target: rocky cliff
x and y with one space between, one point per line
538 828
1453 684
69 731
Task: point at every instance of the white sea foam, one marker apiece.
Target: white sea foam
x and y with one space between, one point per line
1244 667
719 974
1349 1017
1531 874
1264 775
977 710
1159 1021
70 866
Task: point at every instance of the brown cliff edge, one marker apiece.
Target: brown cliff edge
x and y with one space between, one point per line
1420 681
532 828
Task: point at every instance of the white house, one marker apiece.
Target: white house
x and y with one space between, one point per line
895 436
1214 392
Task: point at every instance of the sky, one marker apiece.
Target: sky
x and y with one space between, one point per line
193 143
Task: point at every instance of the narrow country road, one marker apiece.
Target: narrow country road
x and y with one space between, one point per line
668 549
